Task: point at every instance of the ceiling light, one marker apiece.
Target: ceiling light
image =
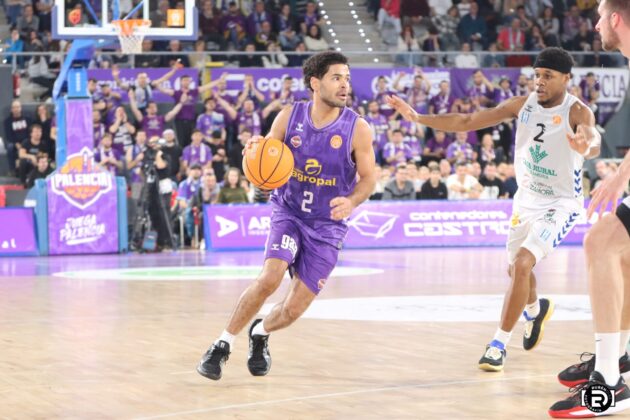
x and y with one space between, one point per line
350 4
338 48
376 60
336 41
370 48
328 22
359 22
367 41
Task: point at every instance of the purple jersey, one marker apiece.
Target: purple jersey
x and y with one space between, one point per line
197 154
188 108
209 123
455 147
99 131
136 172
252 122
418 98
153 125
391 150
480 91
112 103
101 154
323 169
230 99
383 107
187 188
501 95
379 127
587 91
441 104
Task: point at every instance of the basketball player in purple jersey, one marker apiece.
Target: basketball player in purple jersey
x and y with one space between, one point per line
331 145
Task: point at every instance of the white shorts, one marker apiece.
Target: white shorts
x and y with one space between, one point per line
540 230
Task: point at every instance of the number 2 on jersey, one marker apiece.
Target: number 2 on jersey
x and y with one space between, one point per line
539 135
308 199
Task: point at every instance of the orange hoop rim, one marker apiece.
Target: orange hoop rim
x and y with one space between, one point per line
127 26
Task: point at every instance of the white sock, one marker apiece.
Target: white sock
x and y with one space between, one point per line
259 329
533 309
227 337
623 342
502 337
607 356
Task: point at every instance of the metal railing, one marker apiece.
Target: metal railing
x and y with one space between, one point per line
385 58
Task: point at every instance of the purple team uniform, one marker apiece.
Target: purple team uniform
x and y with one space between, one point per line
302 232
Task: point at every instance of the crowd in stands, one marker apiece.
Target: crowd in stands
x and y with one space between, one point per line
203 133
434 26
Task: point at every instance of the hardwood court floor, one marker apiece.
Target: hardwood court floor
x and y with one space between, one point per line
111 344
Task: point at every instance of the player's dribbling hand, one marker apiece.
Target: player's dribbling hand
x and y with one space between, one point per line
607 192
341 208
402 107
252 143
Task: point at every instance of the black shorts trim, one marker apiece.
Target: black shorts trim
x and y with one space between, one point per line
623 213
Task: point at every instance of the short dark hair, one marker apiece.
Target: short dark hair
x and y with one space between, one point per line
556 59
619 6
317 66
398 130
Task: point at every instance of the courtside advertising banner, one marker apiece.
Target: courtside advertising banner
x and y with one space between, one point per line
17 234
82 208
384 225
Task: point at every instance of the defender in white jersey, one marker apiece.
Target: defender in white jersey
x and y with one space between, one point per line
607 248
555 133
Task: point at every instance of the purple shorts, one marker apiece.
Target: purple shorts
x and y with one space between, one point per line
307 253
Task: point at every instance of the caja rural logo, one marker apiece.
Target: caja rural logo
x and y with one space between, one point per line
80 181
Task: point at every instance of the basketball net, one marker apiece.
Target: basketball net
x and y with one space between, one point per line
130 33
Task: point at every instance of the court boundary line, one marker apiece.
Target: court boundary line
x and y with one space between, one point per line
338 394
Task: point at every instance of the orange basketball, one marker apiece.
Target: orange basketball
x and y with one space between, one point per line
269 164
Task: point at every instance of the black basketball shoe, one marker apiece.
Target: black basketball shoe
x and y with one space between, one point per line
535 327
259 359
492 360
573 407
579 373
211 364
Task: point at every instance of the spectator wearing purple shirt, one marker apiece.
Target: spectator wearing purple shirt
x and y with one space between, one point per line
396 151
590 89
417 94
122 131
249 92
443 101
460 150
249 118
187 190
196 152
98 128
256 18
435 148
187 96
111 99
107 157
481 89
134 157
211 121
152 123
382 91
504 92
310 17
379 126
233 25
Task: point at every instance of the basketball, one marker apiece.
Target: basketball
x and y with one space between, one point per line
269 164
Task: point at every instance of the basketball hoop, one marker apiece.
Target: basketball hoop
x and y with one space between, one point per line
131 33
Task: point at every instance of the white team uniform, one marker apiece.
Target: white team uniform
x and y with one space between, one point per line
549 199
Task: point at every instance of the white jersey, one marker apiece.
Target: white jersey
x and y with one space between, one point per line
547 169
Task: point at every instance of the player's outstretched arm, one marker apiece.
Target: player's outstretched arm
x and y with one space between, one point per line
461 122
586 140
610 189
341 207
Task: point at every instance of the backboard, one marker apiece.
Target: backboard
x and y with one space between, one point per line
75 19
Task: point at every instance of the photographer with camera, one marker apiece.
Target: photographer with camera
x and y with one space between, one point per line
158 188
